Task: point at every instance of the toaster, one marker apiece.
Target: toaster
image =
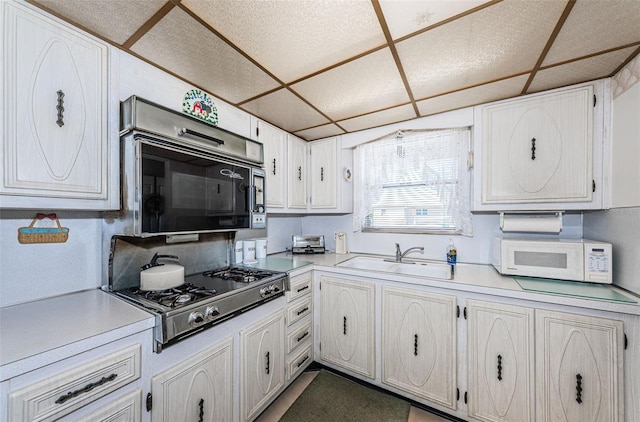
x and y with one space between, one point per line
308 244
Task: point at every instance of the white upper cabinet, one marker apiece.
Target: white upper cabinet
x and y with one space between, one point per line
57 152
297 181
324 188
275 163
541 152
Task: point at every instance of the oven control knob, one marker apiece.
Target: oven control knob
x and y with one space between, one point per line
212 312
273 288
264 291
195 319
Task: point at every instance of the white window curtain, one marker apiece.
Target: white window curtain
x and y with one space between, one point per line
414 181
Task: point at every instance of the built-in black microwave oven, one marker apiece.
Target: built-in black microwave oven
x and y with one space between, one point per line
180 175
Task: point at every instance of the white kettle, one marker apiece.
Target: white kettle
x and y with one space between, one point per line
341 242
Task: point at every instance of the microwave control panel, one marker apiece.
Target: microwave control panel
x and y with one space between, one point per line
598 262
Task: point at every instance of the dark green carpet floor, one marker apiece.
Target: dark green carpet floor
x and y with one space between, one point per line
333 398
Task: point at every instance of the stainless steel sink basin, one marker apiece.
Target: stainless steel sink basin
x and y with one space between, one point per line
419 269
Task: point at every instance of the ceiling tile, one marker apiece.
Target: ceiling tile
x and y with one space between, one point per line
319 132
285 110
499 41
294 38
505 88
380 118
183 46
409 16
582 70
116 20
367 84
616 23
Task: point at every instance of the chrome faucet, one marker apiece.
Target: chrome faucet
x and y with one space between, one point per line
400 254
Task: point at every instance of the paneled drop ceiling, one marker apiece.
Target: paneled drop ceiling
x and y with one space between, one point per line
319 68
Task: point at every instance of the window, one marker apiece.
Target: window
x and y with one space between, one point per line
414 181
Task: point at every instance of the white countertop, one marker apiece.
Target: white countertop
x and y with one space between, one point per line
39 333
473 278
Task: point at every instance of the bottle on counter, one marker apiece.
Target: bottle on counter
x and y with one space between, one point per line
452 255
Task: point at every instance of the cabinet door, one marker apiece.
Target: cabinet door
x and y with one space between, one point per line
200 388
56 136
297 177
539 149
501 362
419 344
262 354
323 174
275 166
347 324
579 368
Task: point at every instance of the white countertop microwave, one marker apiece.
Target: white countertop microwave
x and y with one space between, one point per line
564 259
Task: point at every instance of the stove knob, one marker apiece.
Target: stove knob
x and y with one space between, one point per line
273 288
195 319
212 312
264 291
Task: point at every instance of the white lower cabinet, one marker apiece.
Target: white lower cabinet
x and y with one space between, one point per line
347 336
501 361
262 364
579 368
419 344
124 409
198 389
59 394
299 342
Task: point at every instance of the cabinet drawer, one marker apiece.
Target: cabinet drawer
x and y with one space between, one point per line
298 311
297 363
125 409
300 336
300 286
62 394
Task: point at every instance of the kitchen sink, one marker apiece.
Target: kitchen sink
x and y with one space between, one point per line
417 269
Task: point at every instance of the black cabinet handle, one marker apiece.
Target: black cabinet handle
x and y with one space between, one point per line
201 414
415 345
302 311
344 325
499 368
303 288
85 389
60 108
299 172
303 361
533 148
322 174
579 388
303 336
268 368
274 167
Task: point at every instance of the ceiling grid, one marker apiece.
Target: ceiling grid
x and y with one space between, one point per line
319 68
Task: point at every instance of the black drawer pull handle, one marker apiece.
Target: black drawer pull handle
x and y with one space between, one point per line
201 413
344 325
303 361
60 108
415 345
579 388
302 311
268 369
299 172
85 389
303 288
274 167
322 174
499 368
303 336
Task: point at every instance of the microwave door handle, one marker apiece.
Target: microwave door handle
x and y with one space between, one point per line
251 197
185 131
